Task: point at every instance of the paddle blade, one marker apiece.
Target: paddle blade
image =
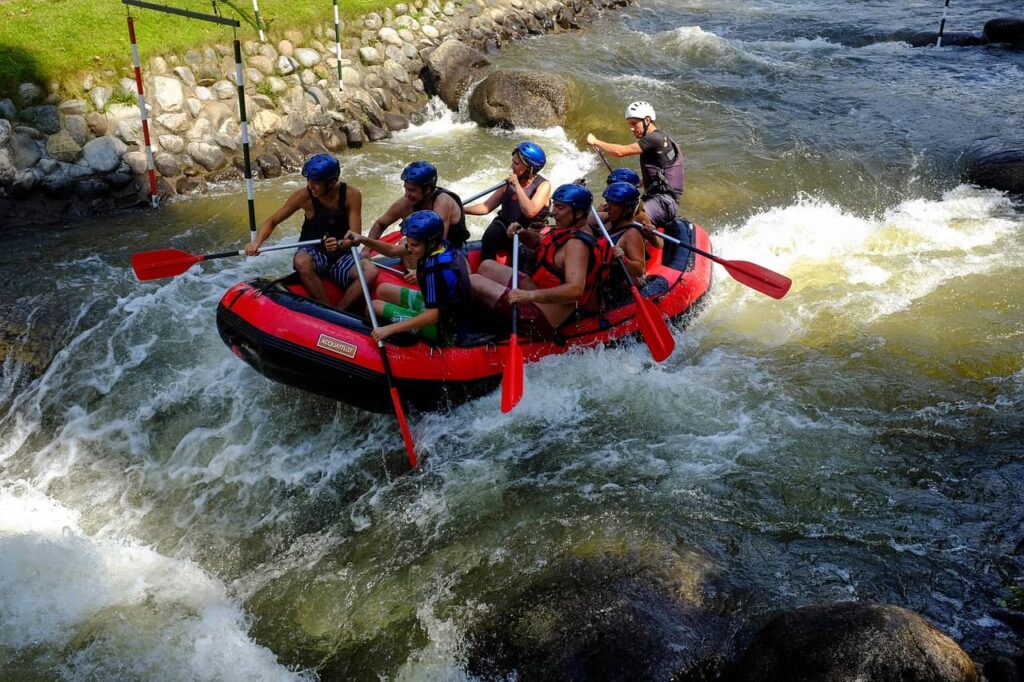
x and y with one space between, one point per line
653 328
162 263
512 378
766 281
410 448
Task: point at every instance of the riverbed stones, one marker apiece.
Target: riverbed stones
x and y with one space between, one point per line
307 57
7 169
100 95
848 641
25 151
137 162
73 107
169 93
77 128
63 147
45 118
209 156
166 165
103 154
29 93
5 131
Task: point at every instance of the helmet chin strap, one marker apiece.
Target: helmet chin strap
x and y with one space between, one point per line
647 124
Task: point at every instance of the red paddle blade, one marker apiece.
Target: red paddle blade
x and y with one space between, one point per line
410 448
653 328
512 378
162 263
766 281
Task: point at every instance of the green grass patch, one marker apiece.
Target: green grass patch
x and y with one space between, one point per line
47 40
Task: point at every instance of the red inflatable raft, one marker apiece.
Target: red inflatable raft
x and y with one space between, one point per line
286 336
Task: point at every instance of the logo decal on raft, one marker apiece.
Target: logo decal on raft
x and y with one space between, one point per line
336 346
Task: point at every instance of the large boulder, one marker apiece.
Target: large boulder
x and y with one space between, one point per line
1005 30
451 69
512 98
1002 170
852 642
605 617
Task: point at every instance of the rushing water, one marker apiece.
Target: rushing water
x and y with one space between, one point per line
166 512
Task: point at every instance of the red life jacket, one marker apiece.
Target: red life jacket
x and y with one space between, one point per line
547 275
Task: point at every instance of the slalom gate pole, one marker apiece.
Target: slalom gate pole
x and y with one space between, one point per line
942 24
154 198
244 127
337 45
259 22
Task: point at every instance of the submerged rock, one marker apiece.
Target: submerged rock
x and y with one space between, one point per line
1002 170
605 617
949 39
852 641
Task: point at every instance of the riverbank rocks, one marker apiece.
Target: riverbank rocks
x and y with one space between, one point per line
852 642
949 39
451 69
86 152
1002 170
513 99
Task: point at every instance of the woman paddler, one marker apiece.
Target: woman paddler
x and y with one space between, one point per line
524 200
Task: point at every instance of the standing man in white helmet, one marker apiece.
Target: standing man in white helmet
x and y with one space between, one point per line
661 162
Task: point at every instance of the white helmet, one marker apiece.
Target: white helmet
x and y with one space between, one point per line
640 110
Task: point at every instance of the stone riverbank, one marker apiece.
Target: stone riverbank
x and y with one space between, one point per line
62 159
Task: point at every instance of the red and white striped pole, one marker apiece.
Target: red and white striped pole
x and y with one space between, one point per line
153 196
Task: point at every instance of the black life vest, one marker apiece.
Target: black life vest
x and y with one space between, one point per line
511 212
458 233
326 222
450 268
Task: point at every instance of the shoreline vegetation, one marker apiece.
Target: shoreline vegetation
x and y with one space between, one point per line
46 42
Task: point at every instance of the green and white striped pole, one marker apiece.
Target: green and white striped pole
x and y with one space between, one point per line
244 127
337 45
259 22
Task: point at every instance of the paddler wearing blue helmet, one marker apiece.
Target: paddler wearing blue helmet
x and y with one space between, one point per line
421 193
332 209
524 199
661 162
563 273
440 310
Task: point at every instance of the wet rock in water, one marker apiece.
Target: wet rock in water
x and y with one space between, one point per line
1002 170
949 39
451 69
606 617
513 98
852 641
1005 30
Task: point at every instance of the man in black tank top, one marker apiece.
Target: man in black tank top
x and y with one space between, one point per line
331 209
423 194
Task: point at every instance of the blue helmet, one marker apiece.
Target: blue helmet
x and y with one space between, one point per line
321 168
423 226
532 155
624 175
420 173
621 193
576 196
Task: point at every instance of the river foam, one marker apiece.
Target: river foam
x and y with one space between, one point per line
126 610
